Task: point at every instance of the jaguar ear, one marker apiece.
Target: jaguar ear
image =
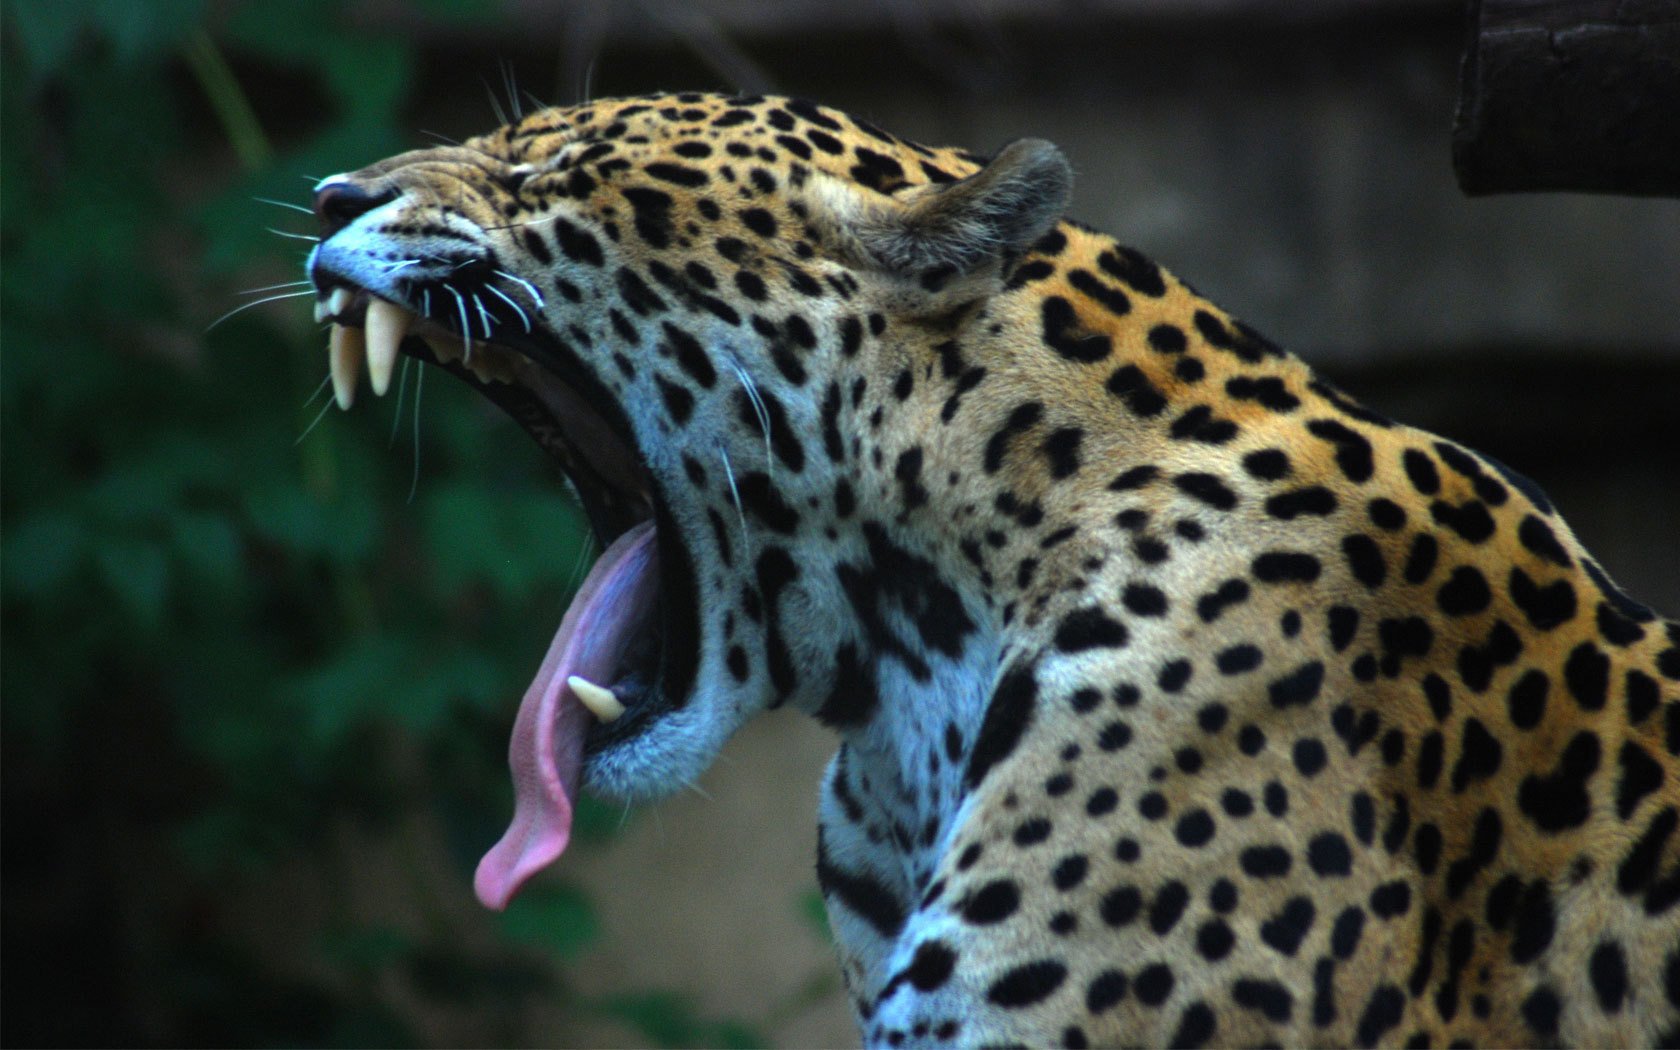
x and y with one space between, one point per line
965 228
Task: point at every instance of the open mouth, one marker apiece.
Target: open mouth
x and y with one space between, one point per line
600 681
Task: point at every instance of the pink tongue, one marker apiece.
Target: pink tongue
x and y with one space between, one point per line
546 751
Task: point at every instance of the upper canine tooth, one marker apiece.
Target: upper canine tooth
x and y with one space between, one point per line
339 301
322 310
387 323
345 352
598 699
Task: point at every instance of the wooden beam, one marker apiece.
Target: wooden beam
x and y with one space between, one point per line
1570 95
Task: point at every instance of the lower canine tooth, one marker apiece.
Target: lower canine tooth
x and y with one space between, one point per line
599 699
345 352
387 323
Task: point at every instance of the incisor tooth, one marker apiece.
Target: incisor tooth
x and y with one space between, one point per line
345 352
338 301
490 366
387 323
599 699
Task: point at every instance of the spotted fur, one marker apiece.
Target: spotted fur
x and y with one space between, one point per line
1182 699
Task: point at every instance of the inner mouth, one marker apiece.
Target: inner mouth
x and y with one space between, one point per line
599 683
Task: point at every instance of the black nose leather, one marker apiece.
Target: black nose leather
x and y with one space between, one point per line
337 204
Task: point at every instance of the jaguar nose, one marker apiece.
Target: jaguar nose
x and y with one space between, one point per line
338 202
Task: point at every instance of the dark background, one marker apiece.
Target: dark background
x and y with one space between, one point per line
256 690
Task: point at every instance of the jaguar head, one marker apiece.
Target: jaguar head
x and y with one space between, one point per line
677 297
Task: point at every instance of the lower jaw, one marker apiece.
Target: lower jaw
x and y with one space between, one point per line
644 684
659 744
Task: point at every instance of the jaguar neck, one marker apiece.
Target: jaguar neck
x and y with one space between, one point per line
908 763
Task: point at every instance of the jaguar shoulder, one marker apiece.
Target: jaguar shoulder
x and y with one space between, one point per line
1181 698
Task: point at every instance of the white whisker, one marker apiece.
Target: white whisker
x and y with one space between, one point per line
396 417
530 288
759 410
512 90
414 481
257 302
735 493
587 89
271 287
585 549
497 292
283 204
293 236
317 422
325 382
466 326
495 105
483 315
698 790
539 220
399 264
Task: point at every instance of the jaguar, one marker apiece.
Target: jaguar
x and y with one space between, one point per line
1181 698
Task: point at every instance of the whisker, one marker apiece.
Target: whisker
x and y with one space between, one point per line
271 287
512 90
284 204
587 88
317 422
585 549
293 236
759 410
257 302
523 224
399 264
325 382
735 493
497 292
483 315
466 326
530 288
414 481
396 417
495 105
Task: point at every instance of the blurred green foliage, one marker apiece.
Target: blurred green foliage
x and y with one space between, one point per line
231 638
